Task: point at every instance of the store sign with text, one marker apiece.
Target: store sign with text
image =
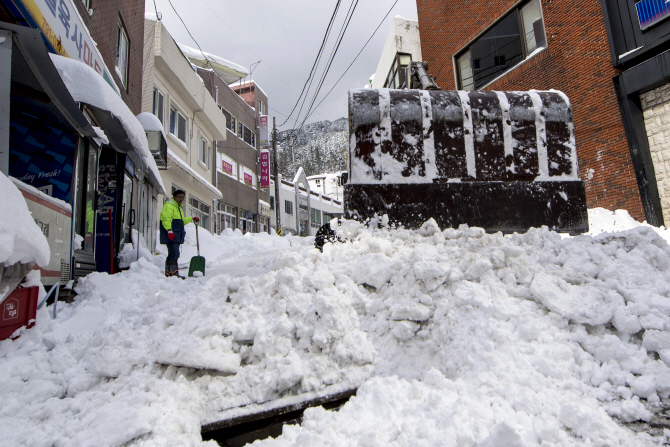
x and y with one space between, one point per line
64 29
265 140
265 169
248 179
226 167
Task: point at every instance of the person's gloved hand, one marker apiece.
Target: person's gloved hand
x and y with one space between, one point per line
170 235
196 219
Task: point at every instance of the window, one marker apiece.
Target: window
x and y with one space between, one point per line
246 222
248 136
230 119
177 124
240 131
122 55
272 202
204 151
501 47
398 72
87 3
315 217
159 101
200 210
228 216
262 108
288 207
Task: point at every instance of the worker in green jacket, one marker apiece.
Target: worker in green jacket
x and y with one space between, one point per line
172 232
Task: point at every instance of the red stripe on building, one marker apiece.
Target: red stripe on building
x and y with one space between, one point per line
47 273
51 206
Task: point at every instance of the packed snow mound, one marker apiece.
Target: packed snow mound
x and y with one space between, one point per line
453 337
20 238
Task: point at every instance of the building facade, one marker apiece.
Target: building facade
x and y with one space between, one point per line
190 119
639 38
539 44
402 46
93 167
244 204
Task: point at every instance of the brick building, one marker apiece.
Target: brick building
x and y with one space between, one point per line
119 24
540 44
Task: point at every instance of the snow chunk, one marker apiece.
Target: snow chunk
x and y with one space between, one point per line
582 304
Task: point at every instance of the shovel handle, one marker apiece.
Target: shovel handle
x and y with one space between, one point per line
197 240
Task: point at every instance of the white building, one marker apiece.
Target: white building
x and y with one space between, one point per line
302 210
402 47
327 184
191 119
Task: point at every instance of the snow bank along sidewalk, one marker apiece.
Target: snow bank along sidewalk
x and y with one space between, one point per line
455 337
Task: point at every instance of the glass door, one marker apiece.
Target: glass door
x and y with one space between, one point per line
127 211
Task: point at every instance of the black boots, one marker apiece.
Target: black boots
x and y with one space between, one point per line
172 269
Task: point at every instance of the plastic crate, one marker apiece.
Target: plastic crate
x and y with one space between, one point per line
19 309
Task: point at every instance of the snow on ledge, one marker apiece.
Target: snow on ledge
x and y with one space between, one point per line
193 53
182 164
36 192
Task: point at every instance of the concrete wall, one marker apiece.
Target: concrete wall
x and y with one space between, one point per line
403 37
656 109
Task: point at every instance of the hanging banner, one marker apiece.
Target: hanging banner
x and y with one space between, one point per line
64 29
265 169
264 125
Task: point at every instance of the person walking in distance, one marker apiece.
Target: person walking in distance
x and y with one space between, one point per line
172 231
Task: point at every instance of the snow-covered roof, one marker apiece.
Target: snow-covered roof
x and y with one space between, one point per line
228 71
21 240
87 86
150 15
182 164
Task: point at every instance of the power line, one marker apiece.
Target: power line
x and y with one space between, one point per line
352 62
318 56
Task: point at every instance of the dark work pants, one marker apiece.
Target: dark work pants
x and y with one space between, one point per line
171 266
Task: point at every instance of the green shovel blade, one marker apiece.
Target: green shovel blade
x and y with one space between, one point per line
197 265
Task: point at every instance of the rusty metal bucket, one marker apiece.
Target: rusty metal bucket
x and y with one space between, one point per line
504 161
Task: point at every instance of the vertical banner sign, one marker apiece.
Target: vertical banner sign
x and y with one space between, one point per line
265 140
64 29
265 169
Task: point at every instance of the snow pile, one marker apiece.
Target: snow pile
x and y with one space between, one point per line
130 252
20 238
455 337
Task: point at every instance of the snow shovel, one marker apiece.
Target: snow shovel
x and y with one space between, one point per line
197 262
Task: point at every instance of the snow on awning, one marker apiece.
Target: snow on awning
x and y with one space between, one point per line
124 131
182 164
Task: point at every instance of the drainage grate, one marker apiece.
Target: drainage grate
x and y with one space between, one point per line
242 430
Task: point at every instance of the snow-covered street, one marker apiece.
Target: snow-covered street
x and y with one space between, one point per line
453 337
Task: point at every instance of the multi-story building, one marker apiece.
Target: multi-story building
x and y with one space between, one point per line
190 118
402 46
244 204
86 171
542 44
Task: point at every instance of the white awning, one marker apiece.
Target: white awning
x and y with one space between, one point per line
124 131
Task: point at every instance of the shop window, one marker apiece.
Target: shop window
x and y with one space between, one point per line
204 151
398 73
288 207
315 217
177 124
159 101
506 44
122 55
200 210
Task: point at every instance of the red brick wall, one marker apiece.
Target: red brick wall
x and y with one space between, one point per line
103 26
577 61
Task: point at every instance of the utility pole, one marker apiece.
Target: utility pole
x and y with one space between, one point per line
276 169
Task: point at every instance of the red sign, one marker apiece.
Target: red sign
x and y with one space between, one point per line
265 169
247 179
226 167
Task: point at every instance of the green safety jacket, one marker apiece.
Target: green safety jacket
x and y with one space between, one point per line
172 218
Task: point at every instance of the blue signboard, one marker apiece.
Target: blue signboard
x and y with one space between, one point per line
650 12
41 154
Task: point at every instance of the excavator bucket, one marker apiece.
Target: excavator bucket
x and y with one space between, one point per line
503 161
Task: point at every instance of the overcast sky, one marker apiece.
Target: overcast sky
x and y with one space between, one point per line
285 36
